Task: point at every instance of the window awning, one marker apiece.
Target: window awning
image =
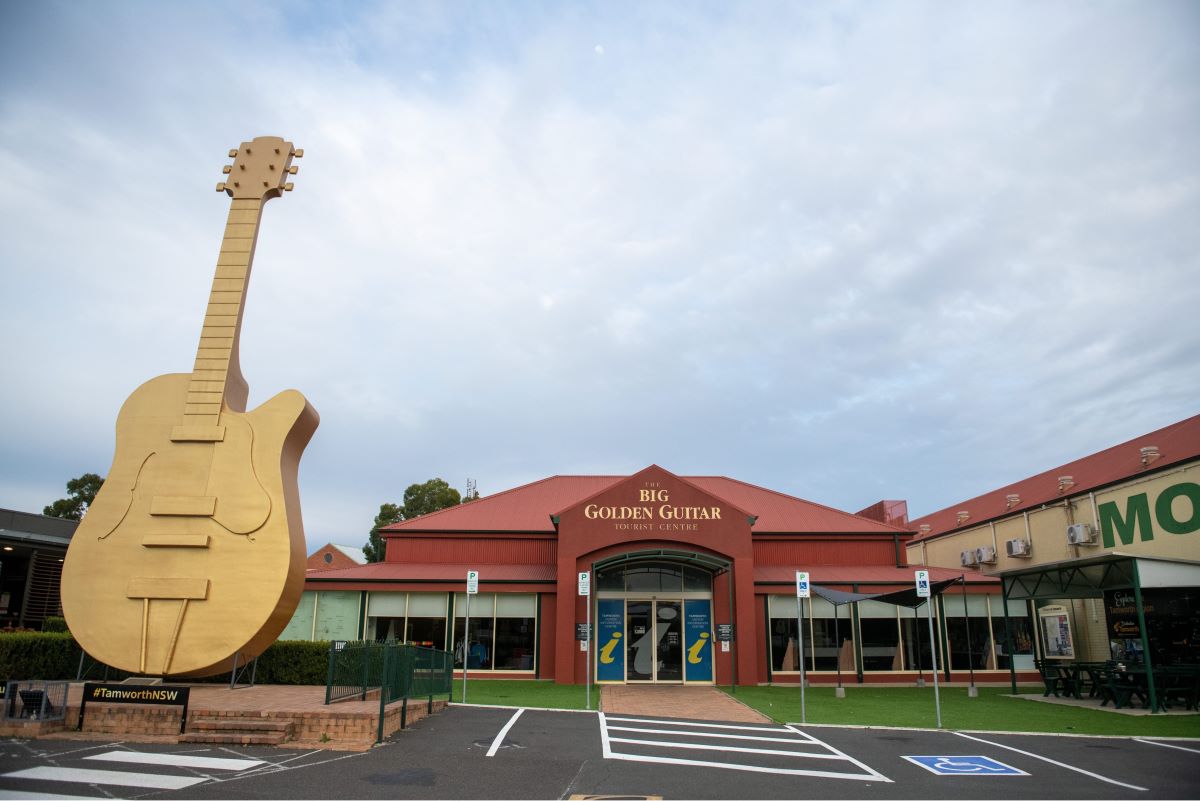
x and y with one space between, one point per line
715 564
906 597
1091 577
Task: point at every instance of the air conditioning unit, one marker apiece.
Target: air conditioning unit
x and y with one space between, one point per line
1081 534
969 558
1017 547
986 555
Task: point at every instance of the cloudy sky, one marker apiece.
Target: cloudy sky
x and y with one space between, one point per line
845 251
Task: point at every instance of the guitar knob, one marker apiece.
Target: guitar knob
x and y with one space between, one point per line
293 170
299 153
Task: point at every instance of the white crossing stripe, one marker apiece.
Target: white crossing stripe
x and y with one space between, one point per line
178 760
790 744
116 777
26 796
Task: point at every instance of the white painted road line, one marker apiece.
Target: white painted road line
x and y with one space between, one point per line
21 795
1166 745
178 760
682 738
503 733
724 748
878 776
718 735
699 725
119 778
1054 762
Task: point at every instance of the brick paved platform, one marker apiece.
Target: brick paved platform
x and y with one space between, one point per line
344 725
676 701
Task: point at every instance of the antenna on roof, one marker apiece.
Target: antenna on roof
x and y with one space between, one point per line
472 490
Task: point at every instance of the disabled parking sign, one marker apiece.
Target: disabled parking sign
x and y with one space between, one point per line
965 766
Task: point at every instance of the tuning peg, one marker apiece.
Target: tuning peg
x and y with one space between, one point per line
233 153
227 169
293 170
221 187
288 187
299 153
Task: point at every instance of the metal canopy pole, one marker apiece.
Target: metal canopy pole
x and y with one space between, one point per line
840 692
1008 638
972 691
1141 613
917 655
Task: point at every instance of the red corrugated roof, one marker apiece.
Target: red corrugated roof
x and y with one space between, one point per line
528 508
861 574
1176 443
397 571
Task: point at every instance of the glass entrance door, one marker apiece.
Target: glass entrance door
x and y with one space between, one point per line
669 625
654 644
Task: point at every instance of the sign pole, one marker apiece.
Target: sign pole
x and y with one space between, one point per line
472 588
923 592
802 591
585 590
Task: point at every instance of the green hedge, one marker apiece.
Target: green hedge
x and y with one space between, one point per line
55 657
38 655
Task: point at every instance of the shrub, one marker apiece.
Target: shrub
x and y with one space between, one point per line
38 655
56 624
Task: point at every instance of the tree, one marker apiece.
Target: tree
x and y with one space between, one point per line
388 513
419 499
80 494
434 494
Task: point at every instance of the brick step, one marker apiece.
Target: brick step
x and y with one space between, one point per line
241 724
234 738
238 731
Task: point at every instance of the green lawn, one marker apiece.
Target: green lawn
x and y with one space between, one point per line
539 694
993 710
912 707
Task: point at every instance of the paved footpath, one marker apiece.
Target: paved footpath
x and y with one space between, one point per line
673 701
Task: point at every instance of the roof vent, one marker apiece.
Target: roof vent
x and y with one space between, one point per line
1149 454
925 528
1065 483
1011 500
963 516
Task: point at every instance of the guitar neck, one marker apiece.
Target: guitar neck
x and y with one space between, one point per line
217 376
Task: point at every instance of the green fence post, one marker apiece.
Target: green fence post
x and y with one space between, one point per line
329 676
382 696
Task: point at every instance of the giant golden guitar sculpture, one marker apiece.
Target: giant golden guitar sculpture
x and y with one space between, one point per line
192 555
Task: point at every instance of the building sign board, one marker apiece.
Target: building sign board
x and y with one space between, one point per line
725 632
160 695
964 766
610 633
581 631
922 583
697 639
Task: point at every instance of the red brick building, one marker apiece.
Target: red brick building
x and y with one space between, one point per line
690 579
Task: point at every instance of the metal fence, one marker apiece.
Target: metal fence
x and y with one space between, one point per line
35 700
394 669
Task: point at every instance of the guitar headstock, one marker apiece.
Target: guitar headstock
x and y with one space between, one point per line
260 169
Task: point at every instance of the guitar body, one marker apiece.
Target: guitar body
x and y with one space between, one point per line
193 551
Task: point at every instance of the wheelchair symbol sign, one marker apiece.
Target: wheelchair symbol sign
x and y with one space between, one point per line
965 766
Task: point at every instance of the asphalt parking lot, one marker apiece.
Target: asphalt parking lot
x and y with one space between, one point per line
487 752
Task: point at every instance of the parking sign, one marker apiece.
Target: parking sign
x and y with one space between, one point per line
922 583
472 582
803 590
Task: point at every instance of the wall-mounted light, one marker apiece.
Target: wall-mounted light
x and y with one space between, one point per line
8 547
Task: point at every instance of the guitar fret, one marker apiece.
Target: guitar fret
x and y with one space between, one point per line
225 296
228 285
217 309
216 342
240 230
206 386
237 245
225 259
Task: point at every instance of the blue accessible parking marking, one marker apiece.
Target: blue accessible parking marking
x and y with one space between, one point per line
965 766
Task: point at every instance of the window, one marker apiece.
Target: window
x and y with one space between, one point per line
914 631
653 578
1022 634
880 636
503 632
822 645
967 632
426 622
